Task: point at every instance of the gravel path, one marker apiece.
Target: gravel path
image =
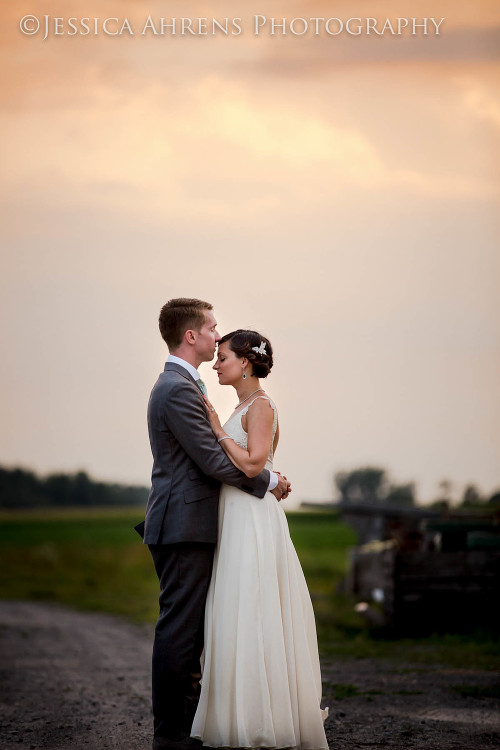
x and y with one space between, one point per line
82 681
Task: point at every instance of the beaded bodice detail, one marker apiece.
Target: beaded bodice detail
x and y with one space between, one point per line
234 429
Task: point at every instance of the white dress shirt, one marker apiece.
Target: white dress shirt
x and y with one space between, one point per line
273 477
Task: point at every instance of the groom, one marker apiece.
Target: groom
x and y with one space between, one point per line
182 512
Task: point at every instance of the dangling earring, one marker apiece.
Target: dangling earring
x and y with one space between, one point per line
244 375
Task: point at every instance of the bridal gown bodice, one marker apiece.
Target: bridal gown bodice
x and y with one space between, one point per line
234 428
261 684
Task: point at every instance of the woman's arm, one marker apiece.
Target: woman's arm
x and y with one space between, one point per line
184 414
260 416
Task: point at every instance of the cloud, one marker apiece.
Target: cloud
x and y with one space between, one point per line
64 71
221 153
321 56
481 101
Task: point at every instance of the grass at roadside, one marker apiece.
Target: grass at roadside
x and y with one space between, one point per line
87 559
93 559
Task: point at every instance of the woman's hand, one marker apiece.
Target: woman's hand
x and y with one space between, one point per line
214 419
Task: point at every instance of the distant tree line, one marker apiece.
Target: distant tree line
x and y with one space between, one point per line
371 486
21 488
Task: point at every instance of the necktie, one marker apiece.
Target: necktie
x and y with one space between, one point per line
201 385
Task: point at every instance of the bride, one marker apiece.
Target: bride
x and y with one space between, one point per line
261 685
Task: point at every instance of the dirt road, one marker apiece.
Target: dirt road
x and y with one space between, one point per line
81 681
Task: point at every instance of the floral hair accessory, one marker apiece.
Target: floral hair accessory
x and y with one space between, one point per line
260 349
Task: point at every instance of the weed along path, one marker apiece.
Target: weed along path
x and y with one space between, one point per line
81 681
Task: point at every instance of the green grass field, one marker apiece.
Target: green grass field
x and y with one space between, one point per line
94 560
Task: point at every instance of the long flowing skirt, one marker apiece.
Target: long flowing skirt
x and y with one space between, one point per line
261 684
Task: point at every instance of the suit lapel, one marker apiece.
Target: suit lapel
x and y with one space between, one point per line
173 366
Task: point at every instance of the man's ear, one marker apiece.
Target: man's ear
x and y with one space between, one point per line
190 336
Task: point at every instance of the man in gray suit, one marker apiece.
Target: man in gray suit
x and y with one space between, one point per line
182 512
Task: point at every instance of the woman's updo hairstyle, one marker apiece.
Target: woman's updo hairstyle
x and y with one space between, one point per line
255 347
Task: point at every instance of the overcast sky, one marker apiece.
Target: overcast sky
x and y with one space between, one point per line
340 194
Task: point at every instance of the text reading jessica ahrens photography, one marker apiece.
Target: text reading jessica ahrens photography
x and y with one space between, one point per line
45 26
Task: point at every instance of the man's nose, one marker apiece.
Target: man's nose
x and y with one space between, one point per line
217 336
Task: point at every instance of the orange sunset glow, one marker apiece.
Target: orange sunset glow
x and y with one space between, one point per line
339 193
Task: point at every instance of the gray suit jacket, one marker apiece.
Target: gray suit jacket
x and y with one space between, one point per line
188 464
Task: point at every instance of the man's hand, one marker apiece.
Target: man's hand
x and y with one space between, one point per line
283 488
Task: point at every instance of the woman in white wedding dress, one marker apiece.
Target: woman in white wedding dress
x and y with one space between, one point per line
261 684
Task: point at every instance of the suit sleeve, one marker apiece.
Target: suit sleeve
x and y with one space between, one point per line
186 417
